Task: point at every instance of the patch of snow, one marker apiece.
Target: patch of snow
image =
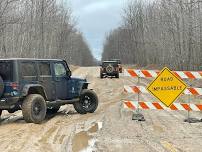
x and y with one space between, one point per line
91 144
100 124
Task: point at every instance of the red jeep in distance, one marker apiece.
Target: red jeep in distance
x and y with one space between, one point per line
119 64
109 68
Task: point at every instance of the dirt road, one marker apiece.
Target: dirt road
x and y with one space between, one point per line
110 128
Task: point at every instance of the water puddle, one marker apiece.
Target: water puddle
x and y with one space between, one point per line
80 141
158 129
84 141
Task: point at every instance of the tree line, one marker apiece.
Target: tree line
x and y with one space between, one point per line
41 29
161 32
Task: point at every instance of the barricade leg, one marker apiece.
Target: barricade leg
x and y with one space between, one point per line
190 119
136 113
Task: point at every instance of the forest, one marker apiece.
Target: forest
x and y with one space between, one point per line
160 32
41 29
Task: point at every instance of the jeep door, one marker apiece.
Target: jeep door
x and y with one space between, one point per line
46 79
28 72
61 80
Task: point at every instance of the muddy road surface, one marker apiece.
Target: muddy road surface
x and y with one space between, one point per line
109 129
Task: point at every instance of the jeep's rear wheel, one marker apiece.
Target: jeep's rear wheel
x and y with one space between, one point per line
1 86
88 102
101 75
34 108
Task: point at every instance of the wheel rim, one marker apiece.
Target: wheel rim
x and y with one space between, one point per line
87 102
37 108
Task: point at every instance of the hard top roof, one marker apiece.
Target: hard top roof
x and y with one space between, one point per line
109 61
29 59
116 59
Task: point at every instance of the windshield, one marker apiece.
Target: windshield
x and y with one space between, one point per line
109 63
5 70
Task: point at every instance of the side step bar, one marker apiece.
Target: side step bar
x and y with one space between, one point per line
61 102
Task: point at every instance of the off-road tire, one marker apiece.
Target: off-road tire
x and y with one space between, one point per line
117 75
29 108
11 110
109 69
53 110
1 86
79 106
101 75
93 99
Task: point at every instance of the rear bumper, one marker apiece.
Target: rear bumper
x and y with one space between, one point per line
8 103
110 74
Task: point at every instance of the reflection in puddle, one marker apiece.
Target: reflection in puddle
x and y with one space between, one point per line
83 142
90 148
80 141
93 129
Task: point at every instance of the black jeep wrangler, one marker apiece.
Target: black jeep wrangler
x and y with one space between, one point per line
38 86
109 68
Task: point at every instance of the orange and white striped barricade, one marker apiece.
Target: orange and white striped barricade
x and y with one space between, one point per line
160 106
154 73
135 105
142 89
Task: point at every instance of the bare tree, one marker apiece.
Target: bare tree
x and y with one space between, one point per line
41 29
162 32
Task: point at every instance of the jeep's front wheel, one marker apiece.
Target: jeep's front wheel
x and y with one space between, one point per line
34 108
88 102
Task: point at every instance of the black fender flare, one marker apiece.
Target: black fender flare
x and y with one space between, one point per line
36 88
84 85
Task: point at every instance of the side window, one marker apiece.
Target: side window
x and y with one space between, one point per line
44 69
59 69
28 71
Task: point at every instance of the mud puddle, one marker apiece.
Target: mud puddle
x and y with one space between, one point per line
84 141
80 141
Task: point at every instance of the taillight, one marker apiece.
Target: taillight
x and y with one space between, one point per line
14 85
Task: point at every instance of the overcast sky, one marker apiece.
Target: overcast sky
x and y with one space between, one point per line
95 18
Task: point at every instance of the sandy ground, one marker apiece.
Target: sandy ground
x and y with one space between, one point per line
110 128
